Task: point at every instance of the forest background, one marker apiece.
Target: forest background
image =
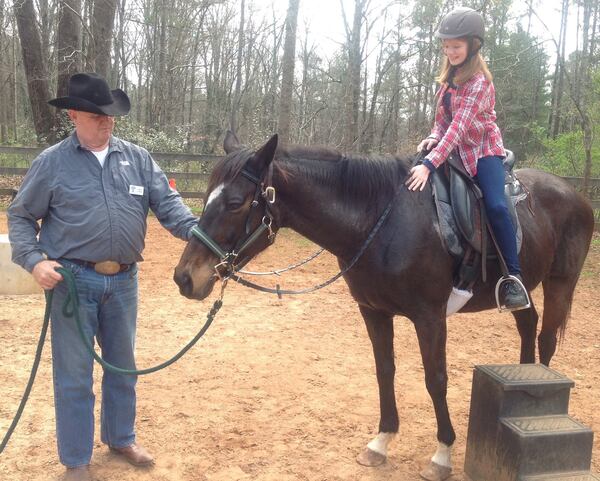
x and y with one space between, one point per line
195 68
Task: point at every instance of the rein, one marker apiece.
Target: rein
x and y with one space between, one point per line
284 269
331 280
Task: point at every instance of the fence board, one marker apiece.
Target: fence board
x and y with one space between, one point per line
158 156
578 181
185 176
170 175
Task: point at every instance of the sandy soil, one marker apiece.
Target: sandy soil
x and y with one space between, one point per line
278 390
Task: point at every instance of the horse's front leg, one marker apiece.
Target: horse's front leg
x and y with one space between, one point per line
381 332
431 332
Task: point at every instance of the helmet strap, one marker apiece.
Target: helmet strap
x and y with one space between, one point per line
471 50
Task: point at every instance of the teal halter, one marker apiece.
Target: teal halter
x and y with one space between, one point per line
228 258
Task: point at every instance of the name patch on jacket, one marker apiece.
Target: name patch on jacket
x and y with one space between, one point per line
136 190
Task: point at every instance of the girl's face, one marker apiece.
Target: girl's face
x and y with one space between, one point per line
456 49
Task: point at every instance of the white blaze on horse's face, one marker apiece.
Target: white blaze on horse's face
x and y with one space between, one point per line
215 193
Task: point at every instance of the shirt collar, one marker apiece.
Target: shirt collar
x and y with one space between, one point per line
114 144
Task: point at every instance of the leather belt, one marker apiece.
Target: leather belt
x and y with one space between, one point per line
107 268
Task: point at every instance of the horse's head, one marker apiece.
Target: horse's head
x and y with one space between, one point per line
237 222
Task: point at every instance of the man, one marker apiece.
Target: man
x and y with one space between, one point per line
92 192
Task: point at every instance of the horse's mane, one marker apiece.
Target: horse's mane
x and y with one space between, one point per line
355 177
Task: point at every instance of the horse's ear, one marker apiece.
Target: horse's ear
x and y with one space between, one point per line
264 156
231 143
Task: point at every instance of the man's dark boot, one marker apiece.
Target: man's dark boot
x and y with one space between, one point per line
512 295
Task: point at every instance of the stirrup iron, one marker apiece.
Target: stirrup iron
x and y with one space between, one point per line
501 281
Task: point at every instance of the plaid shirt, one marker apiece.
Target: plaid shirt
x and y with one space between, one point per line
472 130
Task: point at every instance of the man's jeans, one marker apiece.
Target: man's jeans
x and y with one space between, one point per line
108 310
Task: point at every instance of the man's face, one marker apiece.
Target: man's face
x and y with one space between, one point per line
93 130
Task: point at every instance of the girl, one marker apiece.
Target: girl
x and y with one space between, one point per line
465 123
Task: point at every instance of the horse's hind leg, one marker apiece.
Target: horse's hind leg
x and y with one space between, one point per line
381 332
527 320
558 296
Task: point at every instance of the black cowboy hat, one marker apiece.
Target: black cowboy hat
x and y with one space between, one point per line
89 92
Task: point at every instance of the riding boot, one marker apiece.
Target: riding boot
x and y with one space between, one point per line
513 295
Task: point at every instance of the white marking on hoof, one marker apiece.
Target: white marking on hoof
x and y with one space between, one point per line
215 193
380 443
443 456
370 458
375 453
435 472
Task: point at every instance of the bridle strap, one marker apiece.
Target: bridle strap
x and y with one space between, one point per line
253 237
228 258
250 176
208 242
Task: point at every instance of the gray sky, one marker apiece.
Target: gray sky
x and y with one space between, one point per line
326 27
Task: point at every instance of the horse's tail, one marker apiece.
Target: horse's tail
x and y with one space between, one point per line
576 241
562 330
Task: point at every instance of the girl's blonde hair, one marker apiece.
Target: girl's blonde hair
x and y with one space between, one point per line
475 64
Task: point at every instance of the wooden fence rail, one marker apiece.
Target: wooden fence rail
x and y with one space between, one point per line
166 159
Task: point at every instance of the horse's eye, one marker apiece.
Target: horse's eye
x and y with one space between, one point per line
234 206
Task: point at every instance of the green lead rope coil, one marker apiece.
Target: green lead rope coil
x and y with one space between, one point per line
70 308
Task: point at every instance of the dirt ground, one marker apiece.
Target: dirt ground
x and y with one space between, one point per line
277 390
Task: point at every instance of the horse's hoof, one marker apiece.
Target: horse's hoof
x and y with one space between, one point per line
370 458
435 472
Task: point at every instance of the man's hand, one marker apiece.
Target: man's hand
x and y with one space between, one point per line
418 177
45 274
427 144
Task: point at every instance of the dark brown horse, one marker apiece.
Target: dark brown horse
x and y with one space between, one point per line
335 201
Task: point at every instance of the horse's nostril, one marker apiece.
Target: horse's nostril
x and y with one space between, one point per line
184 281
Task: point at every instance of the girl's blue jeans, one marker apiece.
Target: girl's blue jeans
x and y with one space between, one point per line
490 177
108 311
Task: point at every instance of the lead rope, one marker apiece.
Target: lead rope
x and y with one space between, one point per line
70 308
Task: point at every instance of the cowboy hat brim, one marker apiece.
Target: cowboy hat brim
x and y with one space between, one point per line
119 106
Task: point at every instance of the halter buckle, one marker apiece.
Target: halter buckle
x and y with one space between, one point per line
227 264
268 221
269 194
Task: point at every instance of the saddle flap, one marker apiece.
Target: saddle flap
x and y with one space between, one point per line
464 206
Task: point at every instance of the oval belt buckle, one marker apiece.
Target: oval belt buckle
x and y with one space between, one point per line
108 268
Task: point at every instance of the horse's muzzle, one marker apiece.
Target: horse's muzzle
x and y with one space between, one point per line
185 281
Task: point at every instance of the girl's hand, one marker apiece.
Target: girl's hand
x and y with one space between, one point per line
418 177
427 144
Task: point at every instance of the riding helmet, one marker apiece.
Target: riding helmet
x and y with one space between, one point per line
461 22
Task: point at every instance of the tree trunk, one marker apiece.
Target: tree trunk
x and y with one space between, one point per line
35 69
103 19
558 81
235 105
352 81
287 81
68 43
